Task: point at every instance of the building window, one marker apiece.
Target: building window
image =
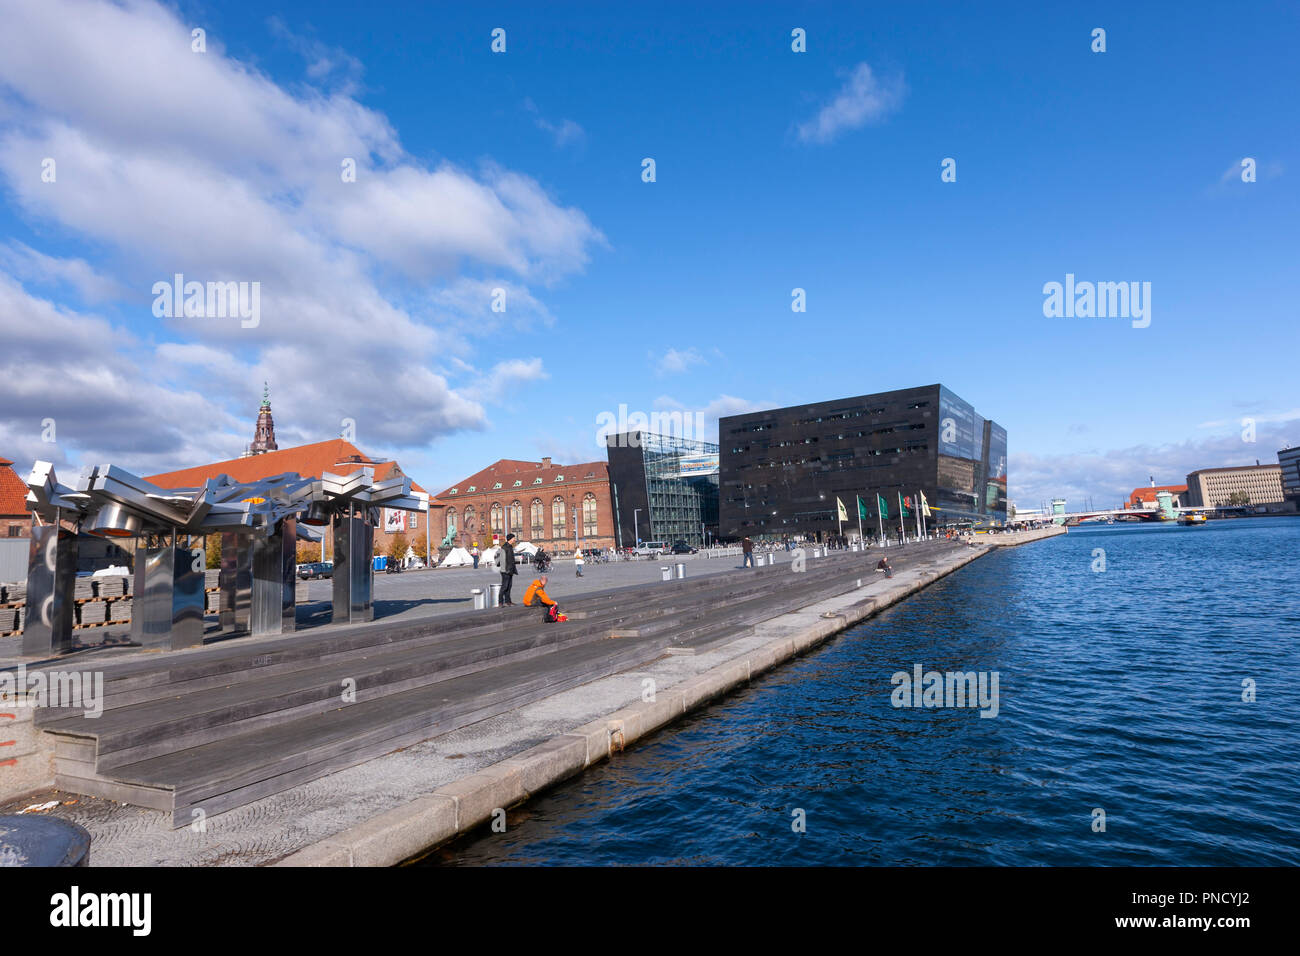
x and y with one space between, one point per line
557 519
412 521
516 522
470 529
453 491
535 518
496 516
496 486
517 483
472 489
15 531
589 524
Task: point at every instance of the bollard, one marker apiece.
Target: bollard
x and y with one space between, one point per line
680 568
666 574
494 595
479 603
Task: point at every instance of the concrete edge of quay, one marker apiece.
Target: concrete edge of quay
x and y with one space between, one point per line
422 825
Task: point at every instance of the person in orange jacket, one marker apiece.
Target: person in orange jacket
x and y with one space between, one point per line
536 596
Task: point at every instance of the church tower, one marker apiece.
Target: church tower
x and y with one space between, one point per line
264 439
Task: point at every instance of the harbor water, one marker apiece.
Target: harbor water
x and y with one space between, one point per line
1147 714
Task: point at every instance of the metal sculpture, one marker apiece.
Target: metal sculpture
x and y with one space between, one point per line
258 522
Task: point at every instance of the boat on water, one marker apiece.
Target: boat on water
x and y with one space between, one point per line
1192 519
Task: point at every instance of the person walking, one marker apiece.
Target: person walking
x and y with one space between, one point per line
505 558
473 553
747 546
577 560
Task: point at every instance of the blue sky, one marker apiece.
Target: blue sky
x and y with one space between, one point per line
522 170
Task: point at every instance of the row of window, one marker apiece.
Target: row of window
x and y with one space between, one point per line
829 417
841 459
518 484
883 430
503 520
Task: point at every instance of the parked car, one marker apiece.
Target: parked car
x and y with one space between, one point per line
651 549
681 547
316 569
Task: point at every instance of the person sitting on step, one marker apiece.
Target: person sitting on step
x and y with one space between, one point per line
536 596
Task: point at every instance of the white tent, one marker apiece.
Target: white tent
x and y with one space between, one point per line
487 557
525 547
458 558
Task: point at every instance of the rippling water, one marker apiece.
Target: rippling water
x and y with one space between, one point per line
1119 690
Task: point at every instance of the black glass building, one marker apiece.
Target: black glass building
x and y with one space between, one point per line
782 469
663 488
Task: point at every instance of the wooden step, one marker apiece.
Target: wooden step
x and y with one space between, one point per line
228 773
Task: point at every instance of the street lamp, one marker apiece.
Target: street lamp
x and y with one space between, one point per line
636 535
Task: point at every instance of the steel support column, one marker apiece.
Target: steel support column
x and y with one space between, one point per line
51 574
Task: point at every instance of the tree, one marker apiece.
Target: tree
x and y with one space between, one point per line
212 546
397 549
308 553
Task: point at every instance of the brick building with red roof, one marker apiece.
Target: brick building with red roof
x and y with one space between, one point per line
336 456
15 519
1145 498
537 500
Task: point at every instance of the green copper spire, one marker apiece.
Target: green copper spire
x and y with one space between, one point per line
266 395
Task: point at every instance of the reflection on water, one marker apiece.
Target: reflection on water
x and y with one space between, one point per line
1119 691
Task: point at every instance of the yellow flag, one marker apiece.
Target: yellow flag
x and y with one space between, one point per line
844 515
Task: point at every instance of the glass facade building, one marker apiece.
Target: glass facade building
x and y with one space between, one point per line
1289 459
665 488
781 470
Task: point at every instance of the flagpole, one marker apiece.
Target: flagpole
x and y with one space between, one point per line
918 517
880 522
902 528
861 540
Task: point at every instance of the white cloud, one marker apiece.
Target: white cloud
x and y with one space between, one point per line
862 99
54 366
565 133
1108 477
677 360
466 305
26 263
710 412
518 371
1271 418
174 161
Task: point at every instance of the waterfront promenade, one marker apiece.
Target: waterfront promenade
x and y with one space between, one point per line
386 809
